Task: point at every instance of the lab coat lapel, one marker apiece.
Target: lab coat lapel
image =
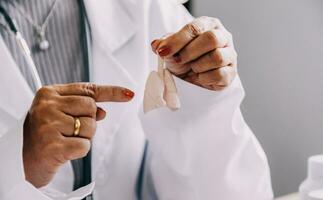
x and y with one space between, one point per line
111 24
16 95
111 29
102 14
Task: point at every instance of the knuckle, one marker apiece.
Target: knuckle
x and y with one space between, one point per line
90 103
216 57
39 106
41 110
212 38
44 92
44 89
196 68
193 29
90 89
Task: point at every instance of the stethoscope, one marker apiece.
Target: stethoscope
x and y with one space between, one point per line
24 48
36 78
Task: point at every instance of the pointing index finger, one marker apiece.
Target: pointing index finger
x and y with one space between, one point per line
100 93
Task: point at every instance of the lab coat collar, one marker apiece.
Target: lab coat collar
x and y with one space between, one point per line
16 95
110 22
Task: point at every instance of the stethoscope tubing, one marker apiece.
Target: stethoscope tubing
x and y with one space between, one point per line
36 78
24 48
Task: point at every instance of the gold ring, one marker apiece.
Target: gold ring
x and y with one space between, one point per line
77 126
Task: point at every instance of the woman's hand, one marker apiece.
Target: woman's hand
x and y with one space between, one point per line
202 53
50 124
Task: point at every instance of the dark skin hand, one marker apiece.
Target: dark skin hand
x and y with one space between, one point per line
49 126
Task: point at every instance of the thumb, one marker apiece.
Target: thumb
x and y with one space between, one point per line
100 114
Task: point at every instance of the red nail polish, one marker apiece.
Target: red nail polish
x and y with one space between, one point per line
128 93
154 45
164 51
177 58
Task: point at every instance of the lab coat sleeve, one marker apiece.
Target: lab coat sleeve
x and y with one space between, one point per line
13 185
205 150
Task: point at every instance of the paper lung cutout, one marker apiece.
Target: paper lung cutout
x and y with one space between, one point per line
154 92
160 90
170 92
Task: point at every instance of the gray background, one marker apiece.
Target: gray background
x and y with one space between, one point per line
280 46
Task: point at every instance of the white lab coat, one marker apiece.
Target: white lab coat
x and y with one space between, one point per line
204 151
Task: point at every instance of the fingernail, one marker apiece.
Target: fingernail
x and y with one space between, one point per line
164 51
128 93
177 58
154 44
